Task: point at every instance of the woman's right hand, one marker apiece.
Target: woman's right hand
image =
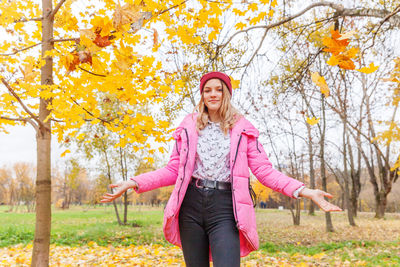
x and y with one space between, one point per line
120 187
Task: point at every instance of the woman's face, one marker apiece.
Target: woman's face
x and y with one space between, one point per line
212 95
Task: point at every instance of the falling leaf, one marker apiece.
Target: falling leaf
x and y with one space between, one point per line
333 45
370 69
320 82
312 121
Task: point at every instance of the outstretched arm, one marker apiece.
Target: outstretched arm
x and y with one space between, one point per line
277 181
148 181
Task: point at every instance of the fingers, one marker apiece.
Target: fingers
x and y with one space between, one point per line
327 207
108 198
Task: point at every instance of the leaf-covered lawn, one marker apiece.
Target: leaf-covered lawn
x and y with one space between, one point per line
91 237
355 254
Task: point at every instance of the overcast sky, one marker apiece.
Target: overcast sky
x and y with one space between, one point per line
20 145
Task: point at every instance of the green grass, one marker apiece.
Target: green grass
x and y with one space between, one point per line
321 247
374 242
76 227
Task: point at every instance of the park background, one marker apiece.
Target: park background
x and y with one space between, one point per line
109 81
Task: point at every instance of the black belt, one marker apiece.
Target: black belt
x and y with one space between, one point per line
203 183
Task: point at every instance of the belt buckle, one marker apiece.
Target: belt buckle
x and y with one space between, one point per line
197 185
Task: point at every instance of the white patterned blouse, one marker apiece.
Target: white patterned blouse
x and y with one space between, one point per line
212 156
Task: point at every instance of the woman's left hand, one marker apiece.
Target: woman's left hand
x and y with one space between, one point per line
317 196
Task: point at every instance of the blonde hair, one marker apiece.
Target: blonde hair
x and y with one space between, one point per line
228 113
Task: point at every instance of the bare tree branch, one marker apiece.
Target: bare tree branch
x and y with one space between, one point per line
95 74
20 50
53 13
339 11
29 120
21 103
26 20
88 112
172 7
386 18
65 40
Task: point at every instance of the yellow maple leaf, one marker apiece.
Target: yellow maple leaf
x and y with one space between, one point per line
212 36
320 82
87 33
333 61
65 152
240 26
312 121
125 14
235 83
370 69
351 53
29 73
253 7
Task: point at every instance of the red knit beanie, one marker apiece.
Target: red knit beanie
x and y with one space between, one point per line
215 74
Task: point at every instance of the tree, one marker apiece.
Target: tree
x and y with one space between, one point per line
25 186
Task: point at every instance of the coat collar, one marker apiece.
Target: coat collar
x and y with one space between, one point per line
241 126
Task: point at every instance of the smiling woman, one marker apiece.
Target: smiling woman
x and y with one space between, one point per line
210 213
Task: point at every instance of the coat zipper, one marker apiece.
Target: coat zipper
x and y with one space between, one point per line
184 167
177 150
257 145
233 194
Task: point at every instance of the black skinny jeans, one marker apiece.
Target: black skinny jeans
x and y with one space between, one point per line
206 220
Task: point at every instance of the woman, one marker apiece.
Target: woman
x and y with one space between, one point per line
210 213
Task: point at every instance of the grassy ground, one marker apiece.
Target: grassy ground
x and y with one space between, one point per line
95 233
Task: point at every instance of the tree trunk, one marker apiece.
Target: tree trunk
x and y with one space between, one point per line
297 218
349 206
110 181
380 205
124 172
311 210
295 215
41 243
328 219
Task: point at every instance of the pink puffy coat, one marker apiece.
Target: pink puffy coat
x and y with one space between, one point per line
245 153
